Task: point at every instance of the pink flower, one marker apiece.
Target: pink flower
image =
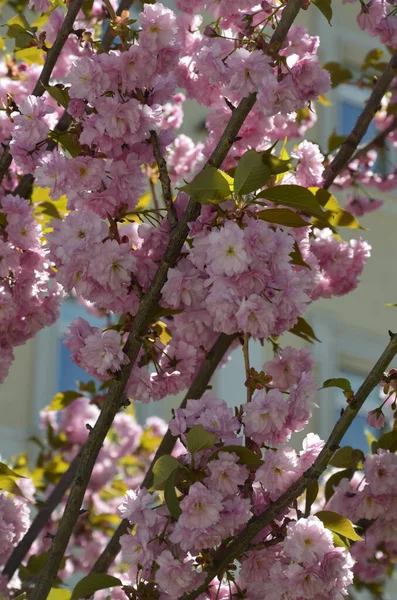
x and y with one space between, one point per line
287 367
158 27
381 472
113 264
307 541
135 508
200 508
310 168
265 418
226 253
102 353
256 316
75 418
176 577
225 474
278 472
376 418
360 205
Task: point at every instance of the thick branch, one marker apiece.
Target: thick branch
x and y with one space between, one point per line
134 342
349 146
241 542
195 391
41 519
164 179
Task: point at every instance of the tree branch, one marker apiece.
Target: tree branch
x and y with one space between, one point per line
378 141
56 48
349 146
196 390
241 542
139 328
164 179
41 519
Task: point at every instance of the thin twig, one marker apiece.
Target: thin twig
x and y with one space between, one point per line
164 179
41 519
372 106
139 328
241 542
196 390
56 48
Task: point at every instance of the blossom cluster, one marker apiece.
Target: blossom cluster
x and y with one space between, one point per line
29 300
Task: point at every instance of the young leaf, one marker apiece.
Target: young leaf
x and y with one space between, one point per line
388 441
339 382
303 330
210 186
297 197
163 469
92 583
334 480
199 439
62 400
311 495
4 470
7 484
251 173
282 216
171 499
335 140
59 594
324 6
60 94
246 456
338 73
297 258
338 524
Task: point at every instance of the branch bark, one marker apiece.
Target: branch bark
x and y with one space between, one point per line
164 180
134 342
241 542
378 141
167 444
349 146
41 519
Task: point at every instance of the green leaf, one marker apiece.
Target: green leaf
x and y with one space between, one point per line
297 197
210 186
4 470
339 382
163 469
20 596
324 6
282 216
338 524
246 456
342 458
199 439
32 55
7 484
388 441
334 480
297 258
62 400
59 594
60 94
94 582
87 7
311 495
338 73
171 498
251 173
49 208
338 216
335 140
372 58
303 330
